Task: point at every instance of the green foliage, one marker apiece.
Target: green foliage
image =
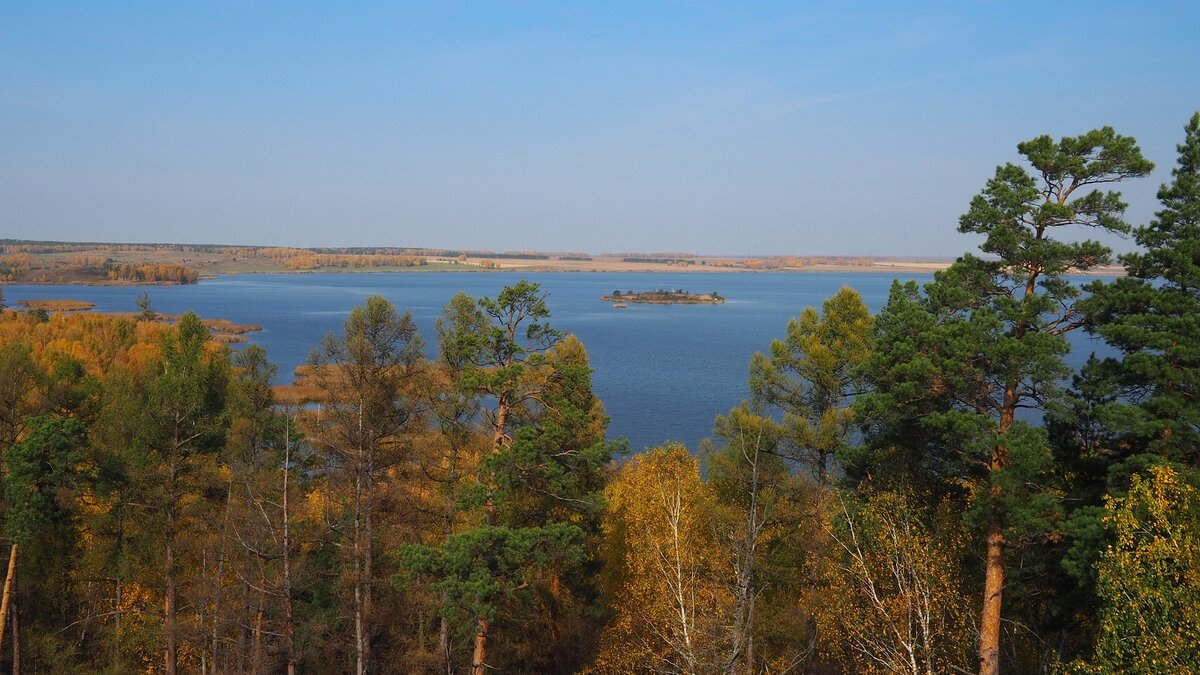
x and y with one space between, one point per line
43 488
811 376
986 340
537 494
1153 317
145 311
987 336
183 405
554 466
515 338
42 478
479 569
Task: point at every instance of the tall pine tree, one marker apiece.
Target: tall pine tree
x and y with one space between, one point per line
987 340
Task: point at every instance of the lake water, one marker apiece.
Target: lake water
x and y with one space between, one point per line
663 371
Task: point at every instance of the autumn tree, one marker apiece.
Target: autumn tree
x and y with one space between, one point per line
810 377
763 527
664 570
173 416
807 382
1149 578
20 378
897 600
367 374
987 339
265 462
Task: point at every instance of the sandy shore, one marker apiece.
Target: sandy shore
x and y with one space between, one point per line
699 265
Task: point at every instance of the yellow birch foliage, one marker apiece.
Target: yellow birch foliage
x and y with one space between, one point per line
1149 579
897 601
663 567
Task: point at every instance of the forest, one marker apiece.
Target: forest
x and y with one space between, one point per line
929 489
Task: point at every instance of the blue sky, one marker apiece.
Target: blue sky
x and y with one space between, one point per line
735 128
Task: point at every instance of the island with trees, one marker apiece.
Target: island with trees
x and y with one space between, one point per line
665 297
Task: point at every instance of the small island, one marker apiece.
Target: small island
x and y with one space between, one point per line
664 297
57 305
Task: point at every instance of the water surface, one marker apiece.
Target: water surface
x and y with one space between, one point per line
663 371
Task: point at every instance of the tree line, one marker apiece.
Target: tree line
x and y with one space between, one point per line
930 489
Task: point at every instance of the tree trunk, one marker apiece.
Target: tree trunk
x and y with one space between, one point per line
447 532
16 639
289 631
480 654
8 584
502 405
478 666
368 575
993 589
993 583
256 652
359 656
444 639
217 575
116 642
170 653
170 658
16 628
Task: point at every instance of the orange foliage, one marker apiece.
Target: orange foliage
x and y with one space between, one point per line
97 341
311 261
168 272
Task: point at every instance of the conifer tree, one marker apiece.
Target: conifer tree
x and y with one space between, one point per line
808 381
1152 316
367 375
987 339
41 520
537 490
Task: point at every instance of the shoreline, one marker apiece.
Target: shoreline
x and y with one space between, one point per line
879 268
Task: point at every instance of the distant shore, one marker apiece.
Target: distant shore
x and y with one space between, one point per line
103 264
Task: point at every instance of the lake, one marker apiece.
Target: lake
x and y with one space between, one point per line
663 371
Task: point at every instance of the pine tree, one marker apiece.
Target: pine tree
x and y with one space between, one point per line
1153 317
987 339
537 490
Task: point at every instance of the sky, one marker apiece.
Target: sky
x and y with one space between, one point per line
740 128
